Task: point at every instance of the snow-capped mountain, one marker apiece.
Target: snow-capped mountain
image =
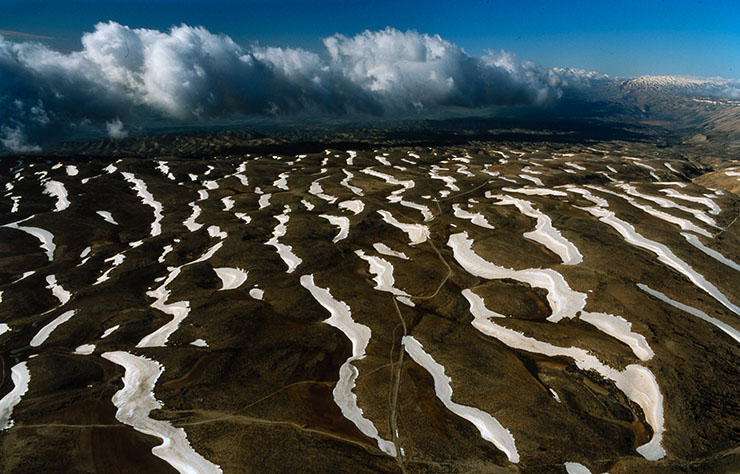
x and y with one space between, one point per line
712 87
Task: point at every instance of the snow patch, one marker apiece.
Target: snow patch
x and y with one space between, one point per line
417 233
85 349
355 206
107 217
359 335
148 199
490 429
46 331
231 278
20 376
134 403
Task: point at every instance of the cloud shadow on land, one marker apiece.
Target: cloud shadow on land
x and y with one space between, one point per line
292 139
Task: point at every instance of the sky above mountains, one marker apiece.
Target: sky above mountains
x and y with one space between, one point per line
111 66
625 38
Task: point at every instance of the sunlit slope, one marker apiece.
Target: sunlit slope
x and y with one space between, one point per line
480 309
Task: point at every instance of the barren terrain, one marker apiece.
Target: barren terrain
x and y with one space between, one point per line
508 306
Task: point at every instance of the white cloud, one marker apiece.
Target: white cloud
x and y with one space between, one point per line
14 139
189 72
115 129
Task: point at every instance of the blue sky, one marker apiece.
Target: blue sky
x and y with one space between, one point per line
615 37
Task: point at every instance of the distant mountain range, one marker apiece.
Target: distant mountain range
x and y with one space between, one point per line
700 86
670 97
700 111
698 115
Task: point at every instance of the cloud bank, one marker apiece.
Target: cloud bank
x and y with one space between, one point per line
122 74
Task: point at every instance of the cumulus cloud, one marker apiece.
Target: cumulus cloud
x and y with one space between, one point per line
408 69
14 139
122 74
115 129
